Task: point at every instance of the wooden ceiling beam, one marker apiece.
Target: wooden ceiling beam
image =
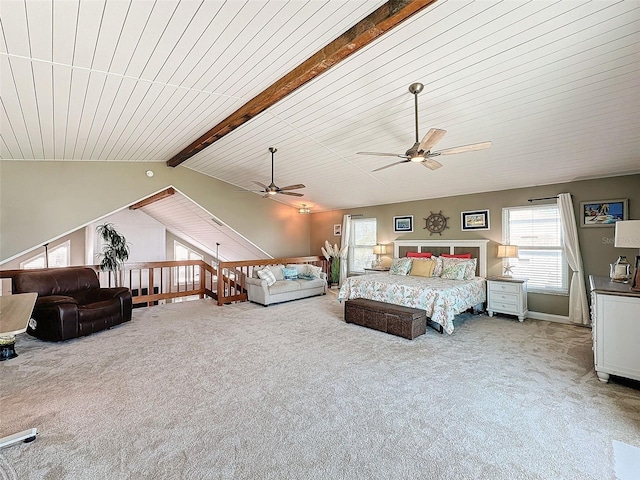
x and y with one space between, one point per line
360 35
153 198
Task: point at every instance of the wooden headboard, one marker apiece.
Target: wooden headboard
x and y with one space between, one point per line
477 248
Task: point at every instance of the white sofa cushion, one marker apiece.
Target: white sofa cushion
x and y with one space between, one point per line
282 286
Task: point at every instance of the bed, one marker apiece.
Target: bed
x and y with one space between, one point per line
442 299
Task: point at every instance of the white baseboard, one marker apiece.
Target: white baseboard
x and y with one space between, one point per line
549 317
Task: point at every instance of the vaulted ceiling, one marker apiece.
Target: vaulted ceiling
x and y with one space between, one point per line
553 84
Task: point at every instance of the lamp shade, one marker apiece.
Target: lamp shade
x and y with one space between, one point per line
507 251
380 249
627 234
304 210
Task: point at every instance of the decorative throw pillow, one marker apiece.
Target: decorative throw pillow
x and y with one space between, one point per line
400 266
290 273
422 267
470 272
419 255
314 271
437 271
453 271
277 271
469 266
457 255
267 275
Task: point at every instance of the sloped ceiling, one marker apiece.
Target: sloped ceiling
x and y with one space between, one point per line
189 221
553 84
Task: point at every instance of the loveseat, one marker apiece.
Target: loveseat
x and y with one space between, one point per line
281 283
71 303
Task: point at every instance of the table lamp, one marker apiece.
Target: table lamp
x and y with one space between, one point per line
379 250
507 251
628 236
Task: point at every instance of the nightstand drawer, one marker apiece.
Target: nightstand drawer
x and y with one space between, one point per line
504 287
499 297
505 307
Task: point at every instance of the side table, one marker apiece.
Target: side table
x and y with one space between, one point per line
368 271
507 295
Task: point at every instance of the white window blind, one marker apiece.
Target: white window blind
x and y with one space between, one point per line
363 239
537 232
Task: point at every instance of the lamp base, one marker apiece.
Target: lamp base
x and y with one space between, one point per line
635 285
507 273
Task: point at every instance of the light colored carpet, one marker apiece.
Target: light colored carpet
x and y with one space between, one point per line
192 390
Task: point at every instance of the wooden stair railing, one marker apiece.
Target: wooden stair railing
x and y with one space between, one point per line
151 282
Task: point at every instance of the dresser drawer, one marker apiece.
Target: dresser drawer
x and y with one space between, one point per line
504 287
505 307
499 297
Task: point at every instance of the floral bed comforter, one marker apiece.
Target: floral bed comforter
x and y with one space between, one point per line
441 299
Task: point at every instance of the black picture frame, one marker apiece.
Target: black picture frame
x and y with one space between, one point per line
403 224
475 220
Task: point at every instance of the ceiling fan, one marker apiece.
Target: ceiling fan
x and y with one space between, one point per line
272 188
421 152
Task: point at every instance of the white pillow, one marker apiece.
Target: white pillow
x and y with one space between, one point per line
277 271
314 271
267 275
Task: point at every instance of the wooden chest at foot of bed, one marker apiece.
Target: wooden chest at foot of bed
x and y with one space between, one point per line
397 320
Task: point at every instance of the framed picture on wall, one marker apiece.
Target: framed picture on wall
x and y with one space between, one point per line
337 230
475 220
603 213
403 224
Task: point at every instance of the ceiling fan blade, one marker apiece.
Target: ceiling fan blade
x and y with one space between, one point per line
293 194
260 184
464 148
379 154
292 187
267 195
432 137
431 164
390 165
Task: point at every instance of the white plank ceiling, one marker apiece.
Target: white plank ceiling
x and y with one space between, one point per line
555 85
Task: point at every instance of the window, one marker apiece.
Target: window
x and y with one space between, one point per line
58 257
537 232
190 274
363 239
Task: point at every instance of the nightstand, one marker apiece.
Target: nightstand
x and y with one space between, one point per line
507 295
369 271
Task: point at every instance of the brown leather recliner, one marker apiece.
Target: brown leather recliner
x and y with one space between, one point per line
71 303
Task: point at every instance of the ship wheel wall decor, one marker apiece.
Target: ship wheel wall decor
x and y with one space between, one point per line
436 223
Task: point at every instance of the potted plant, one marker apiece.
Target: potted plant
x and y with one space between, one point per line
115 251
333 255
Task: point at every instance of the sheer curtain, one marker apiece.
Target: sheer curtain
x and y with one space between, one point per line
344 245
578 306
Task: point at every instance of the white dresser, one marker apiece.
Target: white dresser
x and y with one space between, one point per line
615 317
507 295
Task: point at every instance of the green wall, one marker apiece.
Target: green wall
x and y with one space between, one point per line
596 243
40 201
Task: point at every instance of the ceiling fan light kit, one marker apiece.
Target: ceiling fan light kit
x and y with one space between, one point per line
421 152
304 210
272 188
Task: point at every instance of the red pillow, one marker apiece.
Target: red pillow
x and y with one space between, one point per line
418 255
459 255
